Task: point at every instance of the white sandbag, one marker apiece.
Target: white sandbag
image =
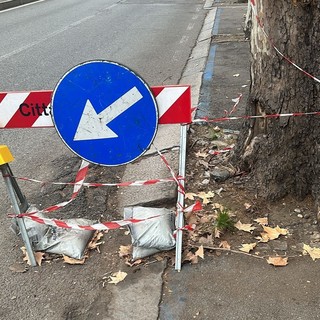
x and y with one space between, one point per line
152 235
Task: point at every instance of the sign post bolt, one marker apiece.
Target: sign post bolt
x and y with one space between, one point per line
15 194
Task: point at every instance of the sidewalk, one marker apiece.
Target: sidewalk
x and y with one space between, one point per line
231 285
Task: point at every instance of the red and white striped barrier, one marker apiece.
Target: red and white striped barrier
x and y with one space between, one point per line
31 109
254 9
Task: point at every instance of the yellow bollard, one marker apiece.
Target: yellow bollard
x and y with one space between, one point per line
5 155
15 194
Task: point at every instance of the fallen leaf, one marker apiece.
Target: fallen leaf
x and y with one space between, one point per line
262 221
191 257
205 196
73 261
134 263
217 233
95 243
190 195
273 233
201 154
247 206
278 261
200 252
244 227
313 252
39 257
117 277
125 251
247 247
225 245
264 237
282 231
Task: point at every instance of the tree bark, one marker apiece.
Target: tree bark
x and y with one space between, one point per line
283 154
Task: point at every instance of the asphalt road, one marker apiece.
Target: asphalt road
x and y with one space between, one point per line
39 43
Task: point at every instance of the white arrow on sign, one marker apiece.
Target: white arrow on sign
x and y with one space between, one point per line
93 126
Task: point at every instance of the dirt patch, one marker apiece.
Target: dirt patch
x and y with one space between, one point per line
209 172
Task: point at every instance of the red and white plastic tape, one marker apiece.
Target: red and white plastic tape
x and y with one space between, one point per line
266 116
112 225
254 9
98 184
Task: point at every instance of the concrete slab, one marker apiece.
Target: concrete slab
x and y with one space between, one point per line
138 298
240 287
227 70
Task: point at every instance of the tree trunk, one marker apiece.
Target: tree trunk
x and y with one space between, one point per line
283 154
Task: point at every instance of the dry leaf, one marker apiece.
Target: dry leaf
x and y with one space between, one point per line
262 221
205 196
134 263
282 231
39 257
200 252
278 261
191 257
95 243
225 245
247 247
73 261
264 237
247 205
217 233
125 251
273 233
201 154
244 227
190 195
117 277
313 252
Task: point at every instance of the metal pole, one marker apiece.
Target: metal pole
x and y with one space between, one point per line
180 203
5 169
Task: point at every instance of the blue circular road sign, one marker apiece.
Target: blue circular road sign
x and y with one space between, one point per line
105 113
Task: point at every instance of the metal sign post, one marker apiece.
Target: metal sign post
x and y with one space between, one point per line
180 202
15 194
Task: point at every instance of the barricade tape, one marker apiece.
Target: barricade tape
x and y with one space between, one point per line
234 108
216 152
253 6
180 186
95 184
266 116
79 182
112 225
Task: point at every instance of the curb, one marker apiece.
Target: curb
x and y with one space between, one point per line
14 3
